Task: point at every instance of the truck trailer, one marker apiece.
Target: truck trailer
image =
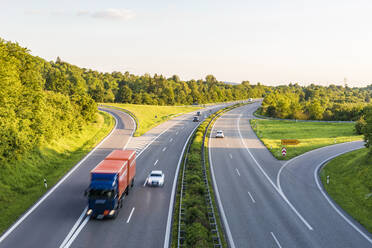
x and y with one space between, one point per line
110 182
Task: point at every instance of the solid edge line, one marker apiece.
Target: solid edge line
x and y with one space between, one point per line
69 243
268 178
326 196
171 202
73 229
304 154
222 211
42 199
80 228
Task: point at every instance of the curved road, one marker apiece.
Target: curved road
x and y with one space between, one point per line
270 203
58 219
50 220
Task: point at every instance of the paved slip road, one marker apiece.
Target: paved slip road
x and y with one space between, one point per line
271 203
49 223
59 220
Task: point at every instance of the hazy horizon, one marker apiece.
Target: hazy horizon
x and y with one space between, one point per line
271 42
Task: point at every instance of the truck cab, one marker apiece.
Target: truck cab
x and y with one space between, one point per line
103 196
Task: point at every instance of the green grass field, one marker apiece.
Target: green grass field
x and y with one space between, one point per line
350 184
21 182
312 135
146 114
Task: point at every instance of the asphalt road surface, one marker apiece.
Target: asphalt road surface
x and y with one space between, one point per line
271 203
58 219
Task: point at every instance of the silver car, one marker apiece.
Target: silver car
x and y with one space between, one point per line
219 134
156 178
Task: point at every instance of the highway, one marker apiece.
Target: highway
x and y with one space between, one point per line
58 219
48 222
269 203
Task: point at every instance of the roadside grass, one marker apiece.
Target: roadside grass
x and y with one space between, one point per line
350 184
312 135
146 114
21 182
197 226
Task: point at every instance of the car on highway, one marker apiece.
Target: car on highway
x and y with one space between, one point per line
156 178
250 100
219 134
195 119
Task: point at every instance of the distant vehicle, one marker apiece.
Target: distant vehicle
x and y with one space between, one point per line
110 182
198 113
156 178
250 100
219 134
195 119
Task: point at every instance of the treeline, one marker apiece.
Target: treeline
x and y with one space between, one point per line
32 110
364 126
156 90
317 102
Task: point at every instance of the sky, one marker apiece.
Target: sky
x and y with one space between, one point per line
268 41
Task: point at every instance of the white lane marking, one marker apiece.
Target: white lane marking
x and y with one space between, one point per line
268 178
131 135
130 215
177 133
15 225
299 156
165 148
156 162
230 155
331 203
157 138
74 228
220 206
249 193
77 232
171 139
144 184
276 240
237 171
171 202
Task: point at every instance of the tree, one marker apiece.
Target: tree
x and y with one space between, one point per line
368 129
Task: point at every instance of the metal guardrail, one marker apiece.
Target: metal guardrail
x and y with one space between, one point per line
217 242
181 211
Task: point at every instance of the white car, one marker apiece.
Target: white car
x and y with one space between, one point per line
156 178
219 134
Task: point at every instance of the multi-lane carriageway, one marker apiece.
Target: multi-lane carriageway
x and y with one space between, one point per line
58 219
263 202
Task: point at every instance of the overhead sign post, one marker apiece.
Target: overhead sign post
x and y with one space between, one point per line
290 142
284 151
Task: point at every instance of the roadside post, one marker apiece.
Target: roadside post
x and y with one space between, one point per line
328 179
284 151
45 183
286 142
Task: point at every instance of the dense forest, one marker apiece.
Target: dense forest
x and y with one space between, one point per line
41 100
317 102
145 89
31 110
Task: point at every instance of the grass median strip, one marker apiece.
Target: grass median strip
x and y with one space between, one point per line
150 116
21 182
350 184
198 230
312 135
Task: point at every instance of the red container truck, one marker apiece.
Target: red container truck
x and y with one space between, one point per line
110 182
